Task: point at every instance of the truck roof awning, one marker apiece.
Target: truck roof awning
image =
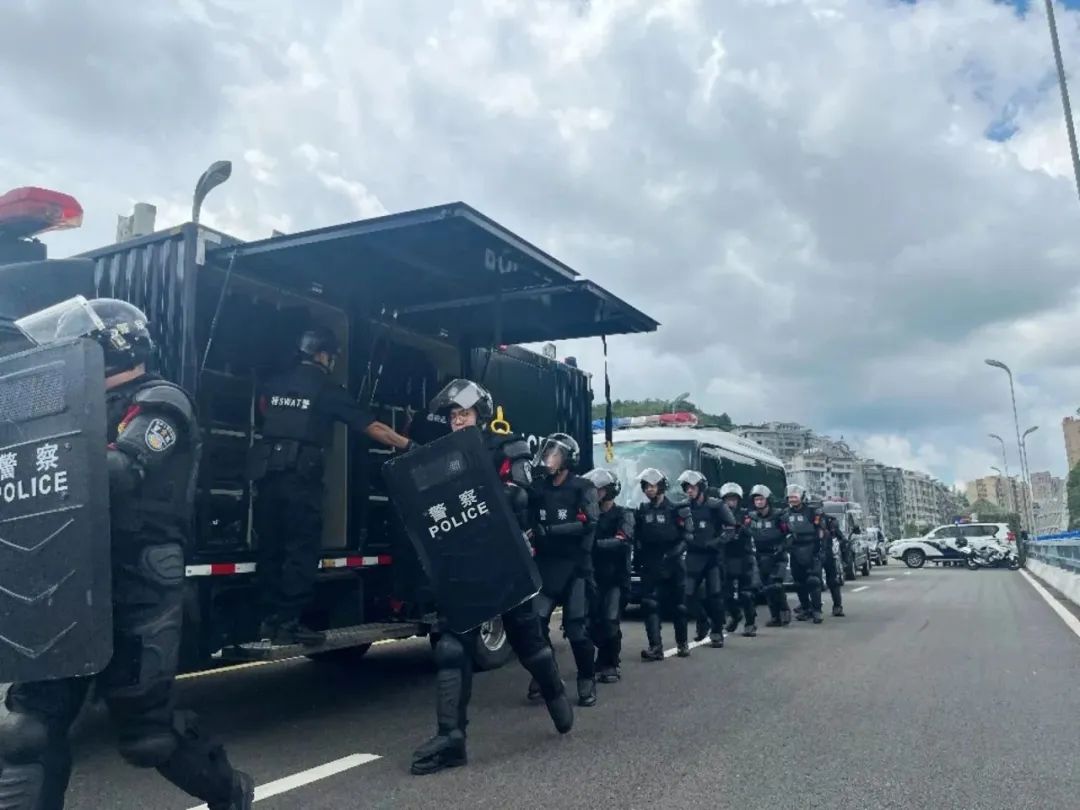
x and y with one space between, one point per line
444 270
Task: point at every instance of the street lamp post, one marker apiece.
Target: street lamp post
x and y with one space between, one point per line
218 172
1027 474
1012 394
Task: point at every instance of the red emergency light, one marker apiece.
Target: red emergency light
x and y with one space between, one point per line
29 211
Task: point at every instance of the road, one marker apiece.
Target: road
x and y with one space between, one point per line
941 688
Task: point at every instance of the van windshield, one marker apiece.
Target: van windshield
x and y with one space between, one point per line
670 457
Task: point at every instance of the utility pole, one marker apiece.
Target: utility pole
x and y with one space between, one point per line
1066 106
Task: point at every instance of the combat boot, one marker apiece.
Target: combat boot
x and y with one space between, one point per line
561 711
654 653
801 614
534 694
785 617
716 640
608 675
733 622
683 650
750 630
243 794
775 621
586 691
816 615
837 610
441 751
701 631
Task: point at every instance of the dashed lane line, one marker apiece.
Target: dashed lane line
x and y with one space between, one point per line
302 778
693 646
860 588
889 579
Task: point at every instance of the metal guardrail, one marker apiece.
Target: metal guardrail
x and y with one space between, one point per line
1060 550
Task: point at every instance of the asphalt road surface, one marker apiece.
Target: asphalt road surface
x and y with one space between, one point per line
940 689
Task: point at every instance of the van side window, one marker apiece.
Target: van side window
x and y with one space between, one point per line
711 466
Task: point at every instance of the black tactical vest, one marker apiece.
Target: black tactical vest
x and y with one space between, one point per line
707 524
768 531
658 526
291 407
804 525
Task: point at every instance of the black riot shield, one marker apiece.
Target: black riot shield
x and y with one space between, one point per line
459 519
55 578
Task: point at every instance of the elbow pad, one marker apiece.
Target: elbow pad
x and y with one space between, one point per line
125 474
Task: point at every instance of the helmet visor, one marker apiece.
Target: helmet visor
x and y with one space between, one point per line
69 319
456 394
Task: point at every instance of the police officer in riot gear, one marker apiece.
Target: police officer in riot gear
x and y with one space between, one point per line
467 404
772 541
565 512
833 565
740 565
711 519
611 563
152 460
298 410
807 528
663 531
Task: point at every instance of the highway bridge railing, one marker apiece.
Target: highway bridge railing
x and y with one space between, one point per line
1055 559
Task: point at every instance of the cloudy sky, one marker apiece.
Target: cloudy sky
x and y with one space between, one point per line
836 208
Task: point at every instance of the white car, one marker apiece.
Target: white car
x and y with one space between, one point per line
942 545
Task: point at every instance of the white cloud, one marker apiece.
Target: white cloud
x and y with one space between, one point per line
821 224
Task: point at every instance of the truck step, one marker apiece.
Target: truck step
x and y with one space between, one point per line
335 640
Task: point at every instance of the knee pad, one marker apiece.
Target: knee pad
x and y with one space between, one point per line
23 737
681 610
544 606
576 631
813 582
147 750
449 652
650 606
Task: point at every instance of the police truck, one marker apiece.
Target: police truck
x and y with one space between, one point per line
415 299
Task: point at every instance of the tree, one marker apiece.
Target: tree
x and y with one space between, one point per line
1072 489
983 510
912 530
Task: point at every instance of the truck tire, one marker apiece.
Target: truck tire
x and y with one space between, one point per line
492 647
346 656
866 567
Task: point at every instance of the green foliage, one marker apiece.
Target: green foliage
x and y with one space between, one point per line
992 513
646 407
1072 489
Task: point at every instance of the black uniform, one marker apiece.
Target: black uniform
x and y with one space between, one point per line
564 521
710 518
299 409
832 564
806 525
611 563
772 541
453 658
662 533
152 466
741 568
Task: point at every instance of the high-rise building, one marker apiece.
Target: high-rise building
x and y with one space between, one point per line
1008 494
1046 487
920 500
782 439
1049 503
879 489
822 474
1070 426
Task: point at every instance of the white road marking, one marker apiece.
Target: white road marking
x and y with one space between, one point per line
1071 621
908 573
860 588
307 777
889 579
692 645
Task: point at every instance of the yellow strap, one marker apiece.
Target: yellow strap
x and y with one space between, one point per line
499 424
609 452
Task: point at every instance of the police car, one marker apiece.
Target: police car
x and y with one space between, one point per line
942 546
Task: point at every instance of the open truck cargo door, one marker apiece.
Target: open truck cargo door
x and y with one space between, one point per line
446 271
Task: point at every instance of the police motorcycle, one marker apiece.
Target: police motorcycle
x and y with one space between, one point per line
992 555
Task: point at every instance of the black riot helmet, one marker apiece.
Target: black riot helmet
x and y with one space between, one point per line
651 475
560 445
319 339
118 326
464 394
606 482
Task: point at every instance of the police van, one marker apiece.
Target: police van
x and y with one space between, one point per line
415 299
672 443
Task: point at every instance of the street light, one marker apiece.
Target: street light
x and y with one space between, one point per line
1016 419
1004 457
1027 469
218 173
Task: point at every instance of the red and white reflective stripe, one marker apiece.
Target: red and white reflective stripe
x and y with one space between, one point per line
219 569
356 562
228 569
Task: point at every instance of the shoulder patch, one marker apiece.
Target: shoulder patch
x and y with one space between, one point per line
160 435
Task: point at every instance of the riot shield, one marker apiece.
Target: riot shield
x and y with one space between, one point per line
459 519
55 576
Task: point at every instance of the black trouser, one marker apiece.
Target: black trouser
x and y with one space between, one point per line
806 571
454 667
607 622
703 570
137 686
563 585
772 569
662 578
832 579
288 520
741 589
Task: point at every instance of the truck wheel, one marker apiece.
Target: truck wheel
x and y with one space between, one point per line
914 558
866 567
346 656
492 647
